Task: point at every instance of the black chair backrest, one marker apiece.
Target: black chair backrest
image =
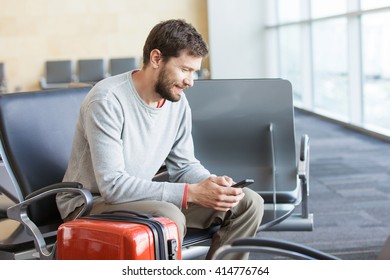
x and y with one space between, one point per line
245 129
36 130
122 65
90 70
59 71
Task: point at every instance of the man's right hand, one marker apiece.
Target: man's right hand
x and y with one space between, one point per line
216 193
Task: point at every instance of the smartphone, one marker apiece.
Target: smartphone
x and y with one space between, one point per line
243 183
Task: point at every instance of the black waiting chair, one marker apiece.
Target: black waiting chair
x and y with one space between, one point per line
245 129
122 65
36 132
90 71
58 74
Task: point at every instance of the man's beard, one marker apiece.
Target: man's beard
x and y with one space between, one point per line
164 86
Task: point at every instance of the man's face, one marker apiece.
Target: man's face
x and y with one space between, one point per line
176 75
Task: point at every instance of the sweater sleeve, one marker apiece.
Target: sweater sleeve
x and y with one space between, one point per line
103 123
181 163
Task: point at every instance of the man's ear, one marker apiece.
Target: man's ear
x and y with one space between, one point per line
155 58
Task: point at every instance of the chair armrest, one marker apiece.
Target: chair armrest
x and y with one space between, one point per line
75 185
272 246
303 174
19 212
304 158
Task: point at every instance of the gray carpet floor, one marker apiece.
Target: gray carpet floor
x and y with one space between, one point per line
349 191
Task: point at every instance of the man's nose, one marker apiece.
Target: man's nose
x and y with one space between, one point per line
189 81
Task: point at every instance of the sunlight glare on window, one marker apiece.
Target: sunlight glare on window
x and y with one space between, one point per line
374 4
376 69
321 8
291 58
330 66
289 10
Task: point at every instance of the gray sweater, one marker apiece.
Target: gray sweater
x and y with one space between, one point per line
120 143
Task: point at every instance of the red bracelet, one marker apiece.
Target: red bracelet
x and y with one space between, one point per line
184 203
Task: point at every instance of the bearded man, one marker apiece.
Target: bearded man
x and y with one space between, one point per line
133 123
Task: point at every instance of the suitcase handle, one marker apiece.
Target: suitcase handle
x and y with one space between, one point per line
132 212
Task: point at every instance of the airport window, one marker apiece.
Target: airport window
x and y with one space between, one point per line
330 71
376 69
321 8
335 53
291 54
374 4
289 11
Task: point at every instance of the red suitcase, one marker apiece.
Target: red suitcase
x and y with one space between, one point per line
119 235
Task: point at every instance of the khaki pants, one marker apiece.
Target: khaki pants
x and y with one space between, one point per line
241 221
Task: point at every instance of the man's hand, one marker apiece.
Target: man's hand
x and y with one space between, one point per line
216 193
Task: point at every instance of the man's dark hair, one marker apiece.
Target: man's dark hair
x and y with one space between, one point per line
171 37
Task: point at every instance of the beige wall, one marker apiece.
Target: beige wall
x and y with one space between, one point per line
33 31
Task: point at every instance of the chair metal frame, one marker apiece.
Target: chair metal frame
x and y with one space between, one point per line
274 247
